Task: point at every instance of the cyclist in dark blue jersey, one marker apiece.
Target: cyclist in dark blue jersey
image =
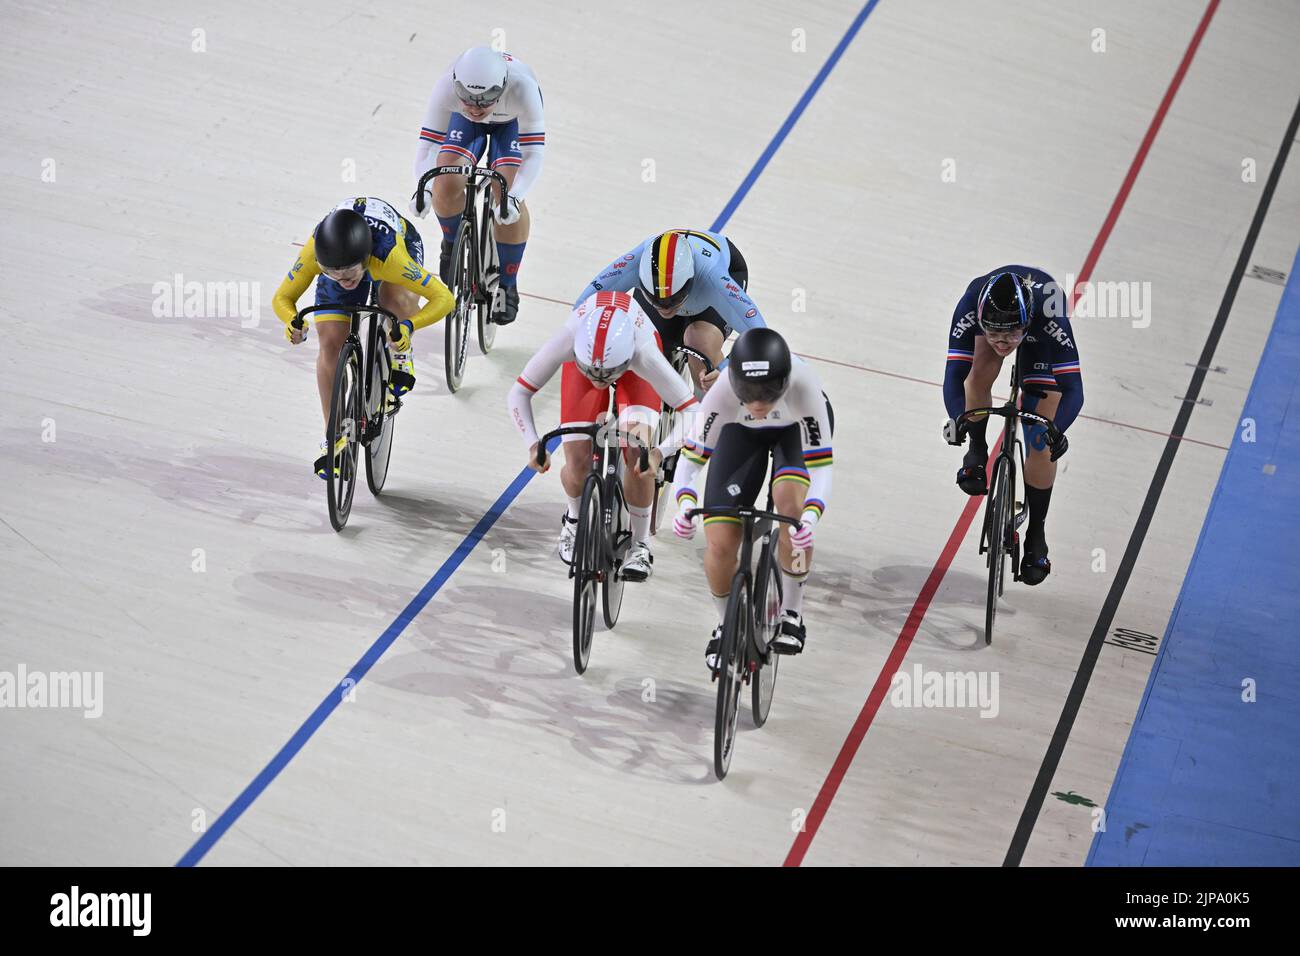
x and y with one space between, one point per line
1021 310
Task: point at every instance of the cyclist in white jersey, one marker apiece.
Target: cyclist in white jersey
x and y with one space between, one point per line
769 404
484 93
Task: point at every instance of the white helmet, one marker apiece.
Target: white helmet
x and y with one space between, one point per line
479 76
605 342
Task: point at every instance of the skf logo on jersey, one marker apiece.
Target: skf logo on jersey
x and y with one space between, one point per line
753 369
966 322
1058 333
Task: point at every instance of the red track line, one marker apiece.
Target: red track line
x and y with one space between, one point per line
803 839
922 381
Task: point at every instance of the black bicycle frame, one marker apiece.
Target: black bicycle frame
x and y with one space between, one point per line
354 313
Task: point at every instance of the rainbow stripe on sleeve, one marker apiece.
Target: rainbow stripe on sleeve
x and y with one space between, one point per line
696 453
817 457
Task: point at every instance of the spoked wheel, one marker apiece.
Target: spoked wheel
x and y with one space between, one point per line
999 531
732 665
464 288
586 568
380 409
343 436
487 256
767 609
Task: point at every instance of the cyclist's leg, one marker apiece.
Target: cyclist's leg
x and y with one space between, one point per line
461 146
735 476
638 405
1040 476
706 333
505 157
789 491
332 330
985 367
580 404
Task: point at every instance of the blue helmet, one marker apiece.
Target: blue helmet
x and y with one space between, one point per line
1005 304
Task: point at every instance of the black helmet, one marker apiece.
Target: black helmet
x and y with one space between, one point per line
759 366
1005 304
343 239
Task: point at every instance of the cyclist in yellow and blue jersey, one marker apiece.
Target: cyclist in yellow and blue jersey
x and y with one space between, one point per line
362 243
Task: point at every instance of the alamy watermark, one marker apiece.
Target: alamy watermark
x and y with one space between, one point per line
208 300
945 689
83 690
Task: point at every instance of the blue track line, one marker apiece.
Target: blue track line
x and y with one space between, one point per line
485 523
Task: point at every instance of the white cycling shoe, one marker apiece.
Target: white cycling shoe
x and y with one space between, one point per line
568 535
639 563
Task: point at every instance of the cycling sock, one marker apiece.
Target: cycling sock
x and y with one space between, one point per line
574 505
640 523
449 226
792 590
720 602
510 254
1038 500
978 431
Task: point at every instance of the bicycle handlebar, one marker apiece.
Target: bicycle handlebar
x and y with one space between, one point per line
591 431
703 359
299 322
742 513
1008 411
470 172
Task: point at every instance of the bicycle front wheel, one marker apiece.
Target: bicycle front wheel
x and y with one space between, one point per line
489 262
618 540
999 534
464 288
733 660
767 611
343 435
379 415
586 569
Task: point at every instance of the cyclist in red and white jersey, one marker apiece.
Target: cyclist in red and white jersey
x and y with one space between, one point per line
607 340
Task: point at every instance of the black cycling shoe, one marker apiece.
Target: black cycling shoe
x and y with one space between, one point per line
792 636
971 476
1034 566
444 263
505 305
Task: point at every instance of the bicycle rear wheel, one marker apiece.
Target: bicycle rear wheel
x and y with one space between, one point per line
999 530
379 417
586 567
733 657
343 435
464 289
767 614
489 263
